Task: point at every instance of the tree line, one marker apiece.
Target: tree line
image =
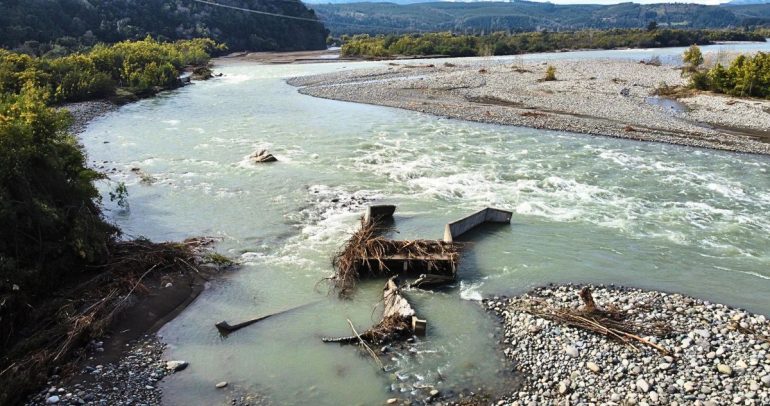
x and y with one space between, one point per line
138 67
502 43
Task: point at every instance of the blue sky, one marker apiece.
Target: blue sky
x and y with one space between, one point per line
711 2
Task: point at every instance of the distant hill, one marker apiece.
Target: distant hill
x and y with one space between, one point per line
478 17
65 24
749 2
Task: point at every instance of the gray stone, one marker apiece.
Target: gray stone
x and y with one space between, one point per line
571 351
642 385
593 367
221 385
52 400
724 369
175 366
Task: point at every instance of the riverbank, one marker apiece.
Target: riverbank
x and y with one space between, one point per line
113 356
718 354
598 97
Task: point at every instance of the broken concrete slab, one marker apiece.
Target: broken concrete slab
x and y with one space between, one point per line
459 227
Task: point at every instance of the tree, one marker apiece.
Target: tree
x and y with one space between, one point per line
652 26
693 57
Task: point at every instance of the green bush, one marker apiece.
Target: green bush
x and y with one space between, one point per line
140 66
747 76
50 219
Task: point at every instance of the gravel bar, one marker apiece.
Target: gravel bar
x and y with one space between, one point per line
83 112
131 381
599 97
719 355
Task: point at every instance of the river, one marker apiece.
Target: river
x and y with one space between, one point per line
586 209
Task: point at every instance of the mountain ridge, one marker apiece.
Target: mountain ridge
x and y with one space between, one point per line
485 17
42 26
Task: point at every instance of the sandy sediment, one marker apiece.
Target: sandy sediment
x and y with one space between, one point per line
600 97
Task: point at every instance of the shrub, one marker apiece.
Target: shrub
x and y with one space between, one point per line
693 57
550 73
142 66
47 199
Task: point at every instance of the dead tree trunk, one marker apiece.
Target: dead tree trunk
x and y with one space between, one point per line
588 300
396 321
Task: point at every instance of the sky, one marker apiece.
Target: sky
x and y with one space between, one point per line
710 2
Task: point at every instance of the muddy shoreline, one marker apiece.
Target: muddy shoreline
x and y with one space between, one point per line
599 97
127 362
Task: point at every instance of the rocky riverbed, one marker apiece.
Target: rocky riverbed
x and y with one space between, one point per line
83 112
601 97
131 381
719 355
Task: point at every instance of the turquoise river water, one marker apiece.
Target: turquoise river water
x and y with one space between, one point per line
586 209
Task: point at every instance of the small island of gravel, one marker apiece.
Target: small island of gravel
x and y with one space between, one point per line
717 354
600 97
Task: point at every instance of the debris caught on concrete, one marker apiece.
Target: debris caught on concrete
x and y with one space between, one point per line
397 320
368 253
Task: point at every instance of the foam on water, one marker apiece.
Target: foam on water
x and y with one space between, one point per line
471 291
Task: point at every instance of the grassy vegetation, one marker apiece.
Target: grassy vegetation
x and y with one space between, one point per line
511 44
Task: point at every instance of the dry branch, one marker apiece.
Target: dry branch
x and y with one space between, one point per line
60 326
610 323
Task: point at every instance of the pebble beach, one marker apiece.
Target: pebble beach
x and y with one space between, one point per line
599 97
719 355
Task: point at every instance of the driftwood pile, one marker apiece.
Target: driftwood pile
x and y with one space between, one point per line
63 325
608 321
366 254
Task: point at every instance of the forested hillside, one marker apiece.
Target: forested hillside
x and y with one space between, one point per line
58 26
520 16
